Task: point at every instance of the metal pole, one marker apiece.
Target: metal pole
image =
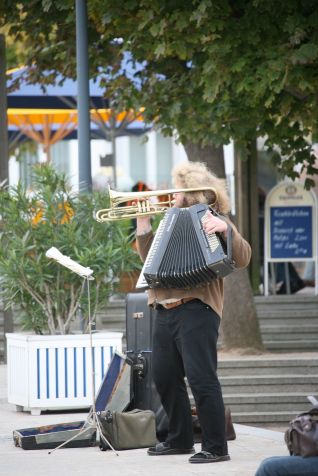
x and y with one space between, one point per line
90 324
4 148
287 278
84 151
114 158
4 162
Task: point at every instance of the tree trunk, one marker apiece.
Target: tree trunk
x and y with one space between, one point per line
239 326
211 155
246 199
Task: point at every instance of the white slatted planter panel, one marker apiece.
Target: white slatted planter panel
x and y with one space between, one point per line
55 372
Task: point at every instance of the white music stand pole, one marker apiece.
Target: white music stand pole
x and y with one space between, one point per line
87 274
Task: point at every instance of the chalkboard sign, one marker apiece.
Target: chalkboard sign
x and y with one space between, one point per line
291 232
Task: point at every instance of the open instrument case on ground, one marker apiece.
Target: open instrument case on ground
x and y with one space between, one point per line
114 394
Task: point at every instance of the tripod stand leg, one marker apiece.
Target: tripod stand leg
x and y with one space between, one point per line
95 423
82 430
103 437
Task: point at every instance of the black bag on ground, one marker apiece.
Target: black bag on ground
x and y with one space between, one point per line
128 430
139 329
229 427
302 435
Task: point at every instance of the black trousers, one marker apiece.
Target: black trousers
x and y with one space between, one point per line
184 344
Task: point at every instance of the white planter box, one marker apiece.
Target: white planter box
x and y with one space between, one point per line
55 372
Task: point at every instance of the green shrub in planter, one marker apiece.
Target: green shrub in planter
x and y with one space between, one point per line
51 214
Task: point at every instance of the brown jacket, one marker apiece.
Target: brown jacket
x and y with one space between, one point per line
210 293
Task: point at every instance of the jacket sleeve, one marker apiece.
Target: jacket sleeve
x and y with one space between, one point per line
143 243
241 250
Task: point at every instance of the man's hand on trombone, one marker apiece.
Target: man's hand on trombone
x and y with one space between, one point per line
143 222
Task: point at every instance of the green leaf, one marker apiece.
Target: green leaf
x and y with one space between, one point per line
305 54
46 4
160 50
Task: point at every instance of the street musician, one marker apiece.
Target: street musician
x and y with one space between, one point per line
186 329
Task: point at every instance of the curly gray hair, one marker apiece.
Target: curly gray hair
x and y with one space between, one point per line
196 175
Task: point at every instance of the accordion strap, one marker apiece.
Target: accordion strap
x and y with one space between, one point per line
229 242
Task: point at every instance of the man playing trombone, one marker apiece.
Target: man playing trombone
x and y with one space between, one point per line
186 329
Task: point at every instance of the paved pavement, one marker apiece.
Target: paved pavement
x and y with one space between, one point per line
251 446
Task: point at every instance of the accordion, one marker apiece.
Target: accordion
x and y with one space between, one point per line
182 255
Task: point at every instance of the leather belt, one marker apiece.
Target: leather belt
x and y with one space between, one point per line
172 305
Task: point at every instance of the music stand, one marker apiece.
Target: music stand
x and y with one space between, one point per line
92 420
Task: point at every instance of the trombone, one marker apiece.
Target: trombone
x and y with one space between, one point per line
119 210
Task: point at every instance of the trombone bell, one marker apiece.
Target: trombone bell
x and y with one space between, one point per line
120 209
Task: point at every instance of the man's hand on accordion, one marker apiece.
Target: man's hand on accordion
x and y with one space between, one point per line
143 222
213 224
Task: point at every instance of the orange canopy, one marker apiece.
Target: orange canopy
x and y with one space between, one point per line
48 126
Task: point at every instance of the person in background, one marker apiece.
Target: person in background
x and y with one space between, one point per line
288 466
186 330
137 187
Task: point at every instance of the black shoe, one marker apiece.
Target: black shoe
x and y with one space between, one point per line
165 449
206 457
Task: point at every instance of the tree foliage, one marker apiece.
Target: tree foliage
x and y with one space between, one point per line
212 70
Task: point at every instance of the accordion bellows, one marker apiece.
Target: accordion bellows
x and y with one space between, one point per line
182 255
